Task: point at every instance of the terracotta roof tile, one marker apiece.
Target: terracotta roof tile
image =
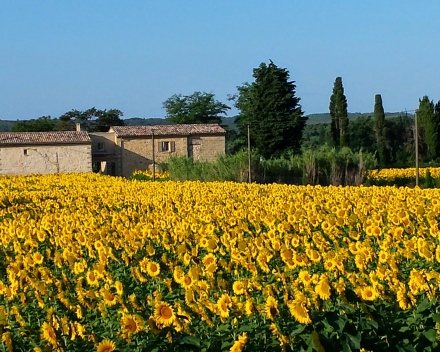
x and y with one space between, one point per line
44 137
184 129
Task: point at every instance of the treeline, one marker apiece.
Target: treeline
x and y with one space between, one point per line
91 120
399 138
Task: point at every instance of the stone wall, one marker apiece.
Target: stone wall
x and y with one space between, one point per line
45 159
206 147
136 153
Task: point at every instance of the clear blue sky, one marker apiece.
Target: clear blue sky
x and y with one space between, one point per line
58 55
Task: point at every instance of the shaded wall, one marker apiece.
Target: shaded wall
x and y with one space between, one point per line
45 159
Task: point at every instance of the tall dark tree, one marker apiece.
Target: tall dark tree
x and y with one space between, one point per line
196 108
380 129
339 115
429 120
436 125
272 110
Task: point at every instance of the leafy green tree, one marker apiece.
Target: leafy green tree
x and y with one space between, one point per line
428 128
272 110
92 119
380 129
196 108
400 134
339 115
42 124
361 135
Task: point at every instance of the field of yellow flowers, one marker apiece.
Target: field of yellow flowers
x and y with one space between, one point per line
402 174
95 263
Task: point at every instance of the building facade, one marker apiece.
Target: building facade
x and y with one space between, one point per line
23 153
117 152
137 146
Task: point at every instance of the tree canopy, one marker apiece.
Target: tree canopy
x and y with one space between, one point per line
42 124
92 119
199 107
272 110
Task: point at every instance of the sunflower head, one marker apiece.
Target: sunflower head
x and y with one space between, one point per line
164 314
106 346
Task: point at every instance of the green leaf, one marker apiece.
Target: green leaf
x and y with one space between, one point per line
298 330
246 328
355 341
373 323
191 340
341 323
436 317
423 306
403 329
225 345
431 335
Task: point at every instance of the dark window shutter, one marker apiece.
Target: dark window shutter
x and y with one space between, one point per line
173 146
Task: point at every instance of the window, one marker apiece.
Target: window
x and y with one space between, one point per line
167 146
101 146
25 152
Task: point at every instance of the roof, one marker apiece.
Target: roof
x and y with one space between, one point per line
62 137
184 129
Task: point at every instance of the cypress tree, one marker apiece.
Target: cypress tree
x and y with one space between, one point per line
380 129
428 128
339 115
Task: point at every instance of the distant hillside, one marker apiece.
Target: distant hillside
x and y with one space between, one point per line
151 121
326 118
6 126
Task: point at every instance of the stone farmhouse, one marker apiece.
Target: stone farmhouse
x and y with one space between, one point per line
124 149
117 152
23 153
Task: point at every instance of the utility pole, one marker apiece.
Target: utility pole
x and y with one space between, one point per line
58 163
154 157
417 148
249 154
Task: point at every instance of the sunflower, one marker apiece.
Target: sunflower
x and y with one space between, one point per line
164 314
240 343
92 278
38 258
152 324
249 308
178 274
369 293
131 324
41 236
299 312
223 304
49 334
238 287
106 346
323 288
119 287
150 250
271 308
209 259
109 298
187 282
153 269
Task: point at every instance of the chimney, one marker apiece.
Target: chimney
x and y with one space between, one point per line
78 127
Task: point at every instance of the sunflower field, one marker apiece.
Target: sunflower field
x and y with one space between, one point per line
98 263
401 177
